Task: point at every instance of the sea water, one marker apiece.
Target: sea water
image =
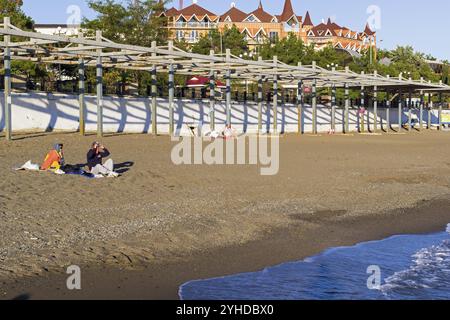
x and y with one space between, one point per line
410 267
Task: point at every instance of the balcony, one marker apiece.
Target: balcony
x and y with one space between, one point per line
293 28
188 39
195 25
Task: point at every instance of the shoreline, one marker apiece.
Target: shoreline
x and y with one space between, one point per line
163 281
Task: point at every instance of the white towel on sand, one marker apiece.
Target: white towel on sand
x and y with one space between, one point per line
28 166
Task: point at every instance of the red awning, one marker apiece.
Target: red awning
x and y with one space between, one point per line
200 82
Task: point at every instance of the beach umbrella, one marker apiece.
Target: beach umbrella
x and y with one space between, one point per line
200 82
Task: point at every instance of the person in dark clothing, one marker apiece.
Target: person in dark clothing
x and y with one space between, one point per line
95 161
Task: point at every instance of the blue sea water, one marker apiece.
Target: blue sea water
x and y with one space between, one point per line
411 267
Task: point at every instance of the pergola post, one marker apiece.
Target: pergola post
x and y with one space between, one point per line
363 103
375 109
333 108
422 101
260 103
430 109
388 112
375 105
400 111
440 111
228 90
275 96
346 108
314 106
300 104
228 96
154 102
171 93
212 95
410 111
99 88
333 105
154 94
171 98
314 102
81 96
8 98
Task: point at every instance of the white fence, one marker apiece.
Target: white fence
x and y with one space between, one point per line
41 111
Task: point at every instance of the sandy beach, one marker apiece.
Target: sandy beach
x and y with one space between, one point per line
159 225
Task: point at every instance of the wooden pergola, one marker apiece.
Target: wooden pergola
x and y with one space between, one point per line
100 53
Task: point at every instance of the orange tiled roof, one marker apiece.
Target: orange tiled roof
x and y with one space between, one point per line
333 25
235 15
198 11
308 21
288 12
171 12
368 31
321 29
262 15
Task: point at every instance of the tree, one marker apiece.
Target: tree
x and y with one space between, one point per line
208 42
329 55
230 38
137 22
290 50
134 22
233 39
13 9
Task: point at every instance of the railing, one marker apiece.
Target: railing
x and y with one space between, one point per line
288 28
204 25
189 39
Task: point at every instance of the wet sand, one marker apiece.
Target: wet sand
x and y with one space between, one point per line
160 225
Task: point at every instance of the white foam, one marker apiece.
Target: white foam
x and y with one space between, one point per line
426 272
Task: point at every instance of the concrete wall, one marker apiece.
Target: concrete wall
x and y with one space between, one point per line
41 111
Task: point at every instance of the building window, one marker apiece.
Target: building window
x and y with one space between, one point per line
251 18
181 22
194 35
273 35
180 35
259 37
292 23
193 22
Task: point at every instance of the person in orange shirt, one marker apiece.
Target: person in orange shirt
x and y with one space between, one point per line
54 159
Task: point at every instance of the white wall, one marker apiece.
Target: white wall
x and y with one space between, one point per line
41 111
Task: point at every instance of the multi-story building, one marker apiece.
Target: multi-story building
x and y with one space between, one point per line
259 26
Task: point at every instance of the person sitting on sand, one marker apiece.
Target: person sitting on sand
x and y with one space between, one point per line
95 161
54 160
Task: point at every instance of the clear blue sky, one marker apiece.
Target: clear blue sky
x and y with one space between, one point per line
422 24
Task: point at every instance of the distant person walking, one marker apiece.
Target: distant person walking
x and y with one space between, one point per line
95 161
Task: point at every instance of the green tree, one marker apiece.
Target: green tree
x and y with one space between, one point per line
135 22
13 9
290 50
233 39
329 55
208 42
230 38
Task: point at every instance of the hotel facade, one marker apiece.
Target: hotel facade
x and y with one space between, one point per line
192 22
